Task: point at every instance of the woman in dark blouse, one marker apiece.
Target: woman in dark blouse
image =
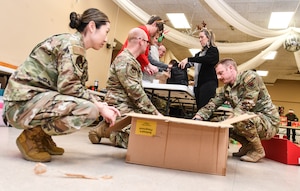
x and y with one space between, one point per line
205 78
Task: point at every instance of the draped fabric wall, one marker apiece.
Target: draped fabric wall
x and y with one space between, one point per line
271 40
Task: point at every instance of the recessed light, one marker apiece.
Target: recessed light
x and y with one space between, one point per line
178 20
280 20
262 72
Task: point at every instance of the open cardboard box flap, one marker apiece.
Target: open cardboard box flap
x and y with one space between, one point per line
238 119
223 124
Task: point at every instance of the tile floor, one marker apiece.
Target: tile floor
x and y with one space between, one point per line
107 164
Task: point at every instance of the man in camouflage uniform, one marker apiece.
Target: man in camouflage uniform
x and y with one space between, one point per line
246 93
125 90
47 95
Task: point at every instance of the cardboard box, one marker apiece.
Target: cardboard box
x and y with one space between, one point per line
177 143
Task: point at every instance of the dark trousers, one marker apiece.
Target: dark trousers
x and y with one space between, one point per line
204 92
288 134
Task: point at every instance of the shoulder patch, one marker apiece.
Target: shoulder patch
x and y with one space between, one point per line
80 62
132 71
78 50
249 76
250 79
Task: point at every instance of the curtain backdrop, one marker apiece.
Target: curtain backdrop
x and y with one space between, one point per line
271 40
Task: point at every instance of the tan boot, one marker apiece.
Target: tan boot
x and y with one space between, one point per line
256 153
246 145
30 145
243 150
50 145
248 130
98 132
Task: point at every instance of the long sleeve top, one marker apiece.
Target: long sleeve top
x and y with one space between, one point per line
124 86
56 64
208 58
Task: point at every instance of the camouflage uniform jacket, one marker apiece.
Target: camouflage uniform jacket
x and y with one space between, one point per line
56 64
124 86
247 94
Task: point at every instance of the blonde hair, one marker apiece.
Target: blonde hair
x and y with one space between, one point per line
210 35
227 62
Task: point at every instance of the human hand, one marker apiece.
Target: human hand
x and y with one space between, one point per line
109 113
151 69
183 63
197 117
159 114
230 115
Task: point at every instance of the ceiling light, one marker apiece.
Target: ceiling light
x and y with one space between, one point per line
280 20
262 72
178 20
194 51
270 56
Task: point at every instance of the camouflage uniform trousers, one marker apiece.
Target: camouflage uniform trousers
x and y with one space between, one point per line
118 137
260 125
56 114
121 138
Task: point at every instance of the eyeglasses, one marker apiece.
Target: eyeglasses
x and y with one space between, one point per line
148 42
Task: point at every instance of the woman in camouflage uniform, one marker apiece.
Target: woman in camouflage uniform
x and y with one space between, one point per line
47 94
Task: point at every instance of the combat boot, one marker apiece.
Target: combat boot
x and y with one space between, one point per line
50 145
243 150
248 130
30 145
256 153
246 145
98 132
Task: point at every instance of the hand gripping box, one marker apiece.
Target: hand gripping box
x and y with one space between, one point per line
177 143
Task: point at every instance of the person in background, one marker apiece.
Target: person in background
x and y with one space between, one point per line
178 75
205 78
154 25
154 60
246 93
47 95
125 90
154 55
291 117
161 51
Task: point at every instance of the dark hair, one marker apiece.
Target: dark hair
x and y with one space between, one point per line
159 22
173 62
79 22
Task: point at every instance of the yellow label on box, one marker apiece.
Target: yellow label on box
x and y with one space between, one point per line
144 127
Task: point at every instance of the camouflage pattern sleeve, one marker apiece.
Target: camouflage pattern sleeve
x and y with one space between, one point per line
56 64
128 75
249 83
73 72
